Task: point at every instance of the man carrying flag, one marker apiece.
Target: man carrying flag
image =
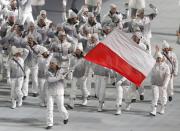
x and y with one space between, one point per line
120 53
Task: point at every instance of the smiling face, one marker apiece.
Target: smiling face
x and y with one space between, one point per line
62 38
166 50
53 66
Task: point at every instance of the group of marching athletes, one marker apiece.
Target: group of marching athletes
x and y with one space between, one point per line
52 55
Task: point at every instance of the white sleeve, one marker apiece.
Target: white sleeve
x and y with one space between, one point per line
8 68
176 64
49 59
53 79
25 53
23 1
167 77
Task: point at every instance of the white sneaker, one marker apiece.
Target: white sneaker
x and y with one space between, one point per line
162 110
128 106
71 104
84 102
118 111
154 110
20 103
100 107
13 104
42 104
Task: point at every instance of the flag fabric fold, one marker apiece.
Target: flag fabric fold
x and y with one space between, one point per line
120 53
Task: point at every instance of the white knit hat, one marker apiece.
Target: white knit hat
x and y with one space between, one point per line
165 44
95 35
43 49
15 50
85 9
113 6
159 55
43 12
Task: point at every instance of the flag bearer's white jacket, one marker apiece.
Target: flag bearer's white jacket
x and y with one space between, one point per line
43 64
55 82
14 70
160 74
78 67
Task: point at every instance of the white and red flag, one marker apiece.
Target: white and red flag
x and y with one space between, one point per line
120 53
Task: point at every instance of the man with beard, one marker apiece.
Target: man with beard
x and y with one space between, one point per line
31 66
92 25
113 18
42 28
11 8
78 65
70 25
9 23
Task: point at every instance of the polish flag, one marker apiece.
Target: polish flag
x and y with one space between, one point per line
120 53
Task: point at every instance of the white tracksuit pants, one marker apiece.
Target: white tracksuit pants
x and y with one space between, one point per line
34 73
16 86
101 87
148 42
82 81
42 90
90 79
50 107
170 88
122 91
159 93
26 17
